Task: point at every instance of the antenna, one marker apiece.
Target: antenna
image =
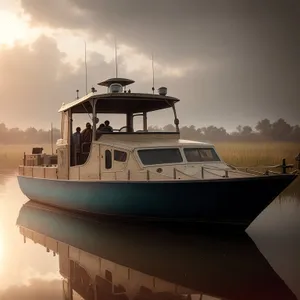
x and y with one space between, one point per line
85 67
153 89
52 138
116 58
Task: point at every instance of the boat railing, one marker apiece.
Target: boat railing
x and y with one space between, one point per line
269 169
200 174
175 171
226 172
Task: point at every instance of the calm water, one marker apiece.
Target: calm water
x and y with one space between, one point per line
139 263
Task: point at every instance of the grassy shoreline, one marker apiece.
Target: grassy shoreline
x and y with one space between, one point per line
244 154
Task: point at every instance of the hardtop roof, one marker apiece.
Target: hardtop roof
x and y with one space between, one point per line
120 103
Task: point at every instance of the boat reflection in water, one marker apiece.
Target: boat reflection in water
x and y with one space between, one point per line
111 261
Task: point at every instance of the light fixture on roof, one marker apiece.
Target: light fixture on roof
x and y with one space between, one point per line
162 91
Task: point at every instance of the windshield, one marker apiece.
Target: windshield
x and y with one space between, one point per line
200 154
160 156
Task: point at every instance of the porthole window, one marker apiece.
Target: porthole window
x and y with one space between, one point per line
108 159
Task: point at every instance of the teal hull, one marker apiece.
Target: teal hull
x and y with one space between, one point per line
226 201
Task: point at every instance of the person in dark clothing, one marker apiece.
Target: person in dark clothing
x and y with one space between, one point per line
107 126
86 140
101 127
76 142
87 134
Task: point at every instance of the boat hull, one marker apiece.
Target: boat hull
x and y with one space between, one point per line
234 202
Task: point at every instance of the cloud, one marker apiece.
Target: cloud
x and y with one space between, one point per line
230 62
35 82
235 60
178 30
37 289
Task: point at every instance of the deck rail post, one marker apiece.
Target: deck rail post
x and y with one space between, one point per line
128 175
283 166
202 172
297 158
148 175
174 173
226 173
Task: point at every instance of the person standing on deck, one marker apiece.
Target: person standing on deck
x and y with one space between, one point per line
86 140
107 126
76 142
87 134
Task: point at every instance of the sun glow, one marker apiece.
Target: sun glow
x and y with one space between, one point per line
14 28
1 250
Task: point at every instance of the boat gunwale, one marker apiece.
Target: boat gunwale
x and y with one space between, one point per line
174 181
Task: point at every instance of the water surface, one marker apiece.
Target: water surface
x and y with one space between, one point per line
267 259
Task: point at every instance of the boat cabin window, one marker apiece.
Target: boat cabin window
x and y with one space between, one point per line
160 156
108 159
200 154
120 156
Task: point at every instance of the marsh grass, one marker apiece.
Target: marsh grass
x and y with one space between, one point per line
237 154
12 155
258 154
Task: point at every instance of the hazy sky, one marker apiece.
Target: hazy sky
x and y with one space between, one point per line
230 62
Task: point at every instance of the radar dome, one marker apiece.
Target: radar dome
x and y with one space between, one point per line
115 88
162 91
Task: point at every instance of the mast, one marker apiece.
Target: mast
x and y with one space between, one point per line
153 89
116 58
51 136
85 68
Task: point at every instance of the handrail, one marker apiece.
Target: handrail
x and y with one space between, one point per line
226 171
221 169
213 173
263 166
188 175
284 166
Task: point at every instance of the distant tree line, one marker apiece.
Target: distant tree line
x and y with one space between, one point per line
280 130
30 135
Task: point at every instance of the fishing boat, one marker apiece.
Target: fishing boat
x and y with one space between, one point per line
140 174
101 260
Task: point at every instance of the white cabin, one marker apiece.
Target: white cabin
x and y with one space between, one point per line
125 155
